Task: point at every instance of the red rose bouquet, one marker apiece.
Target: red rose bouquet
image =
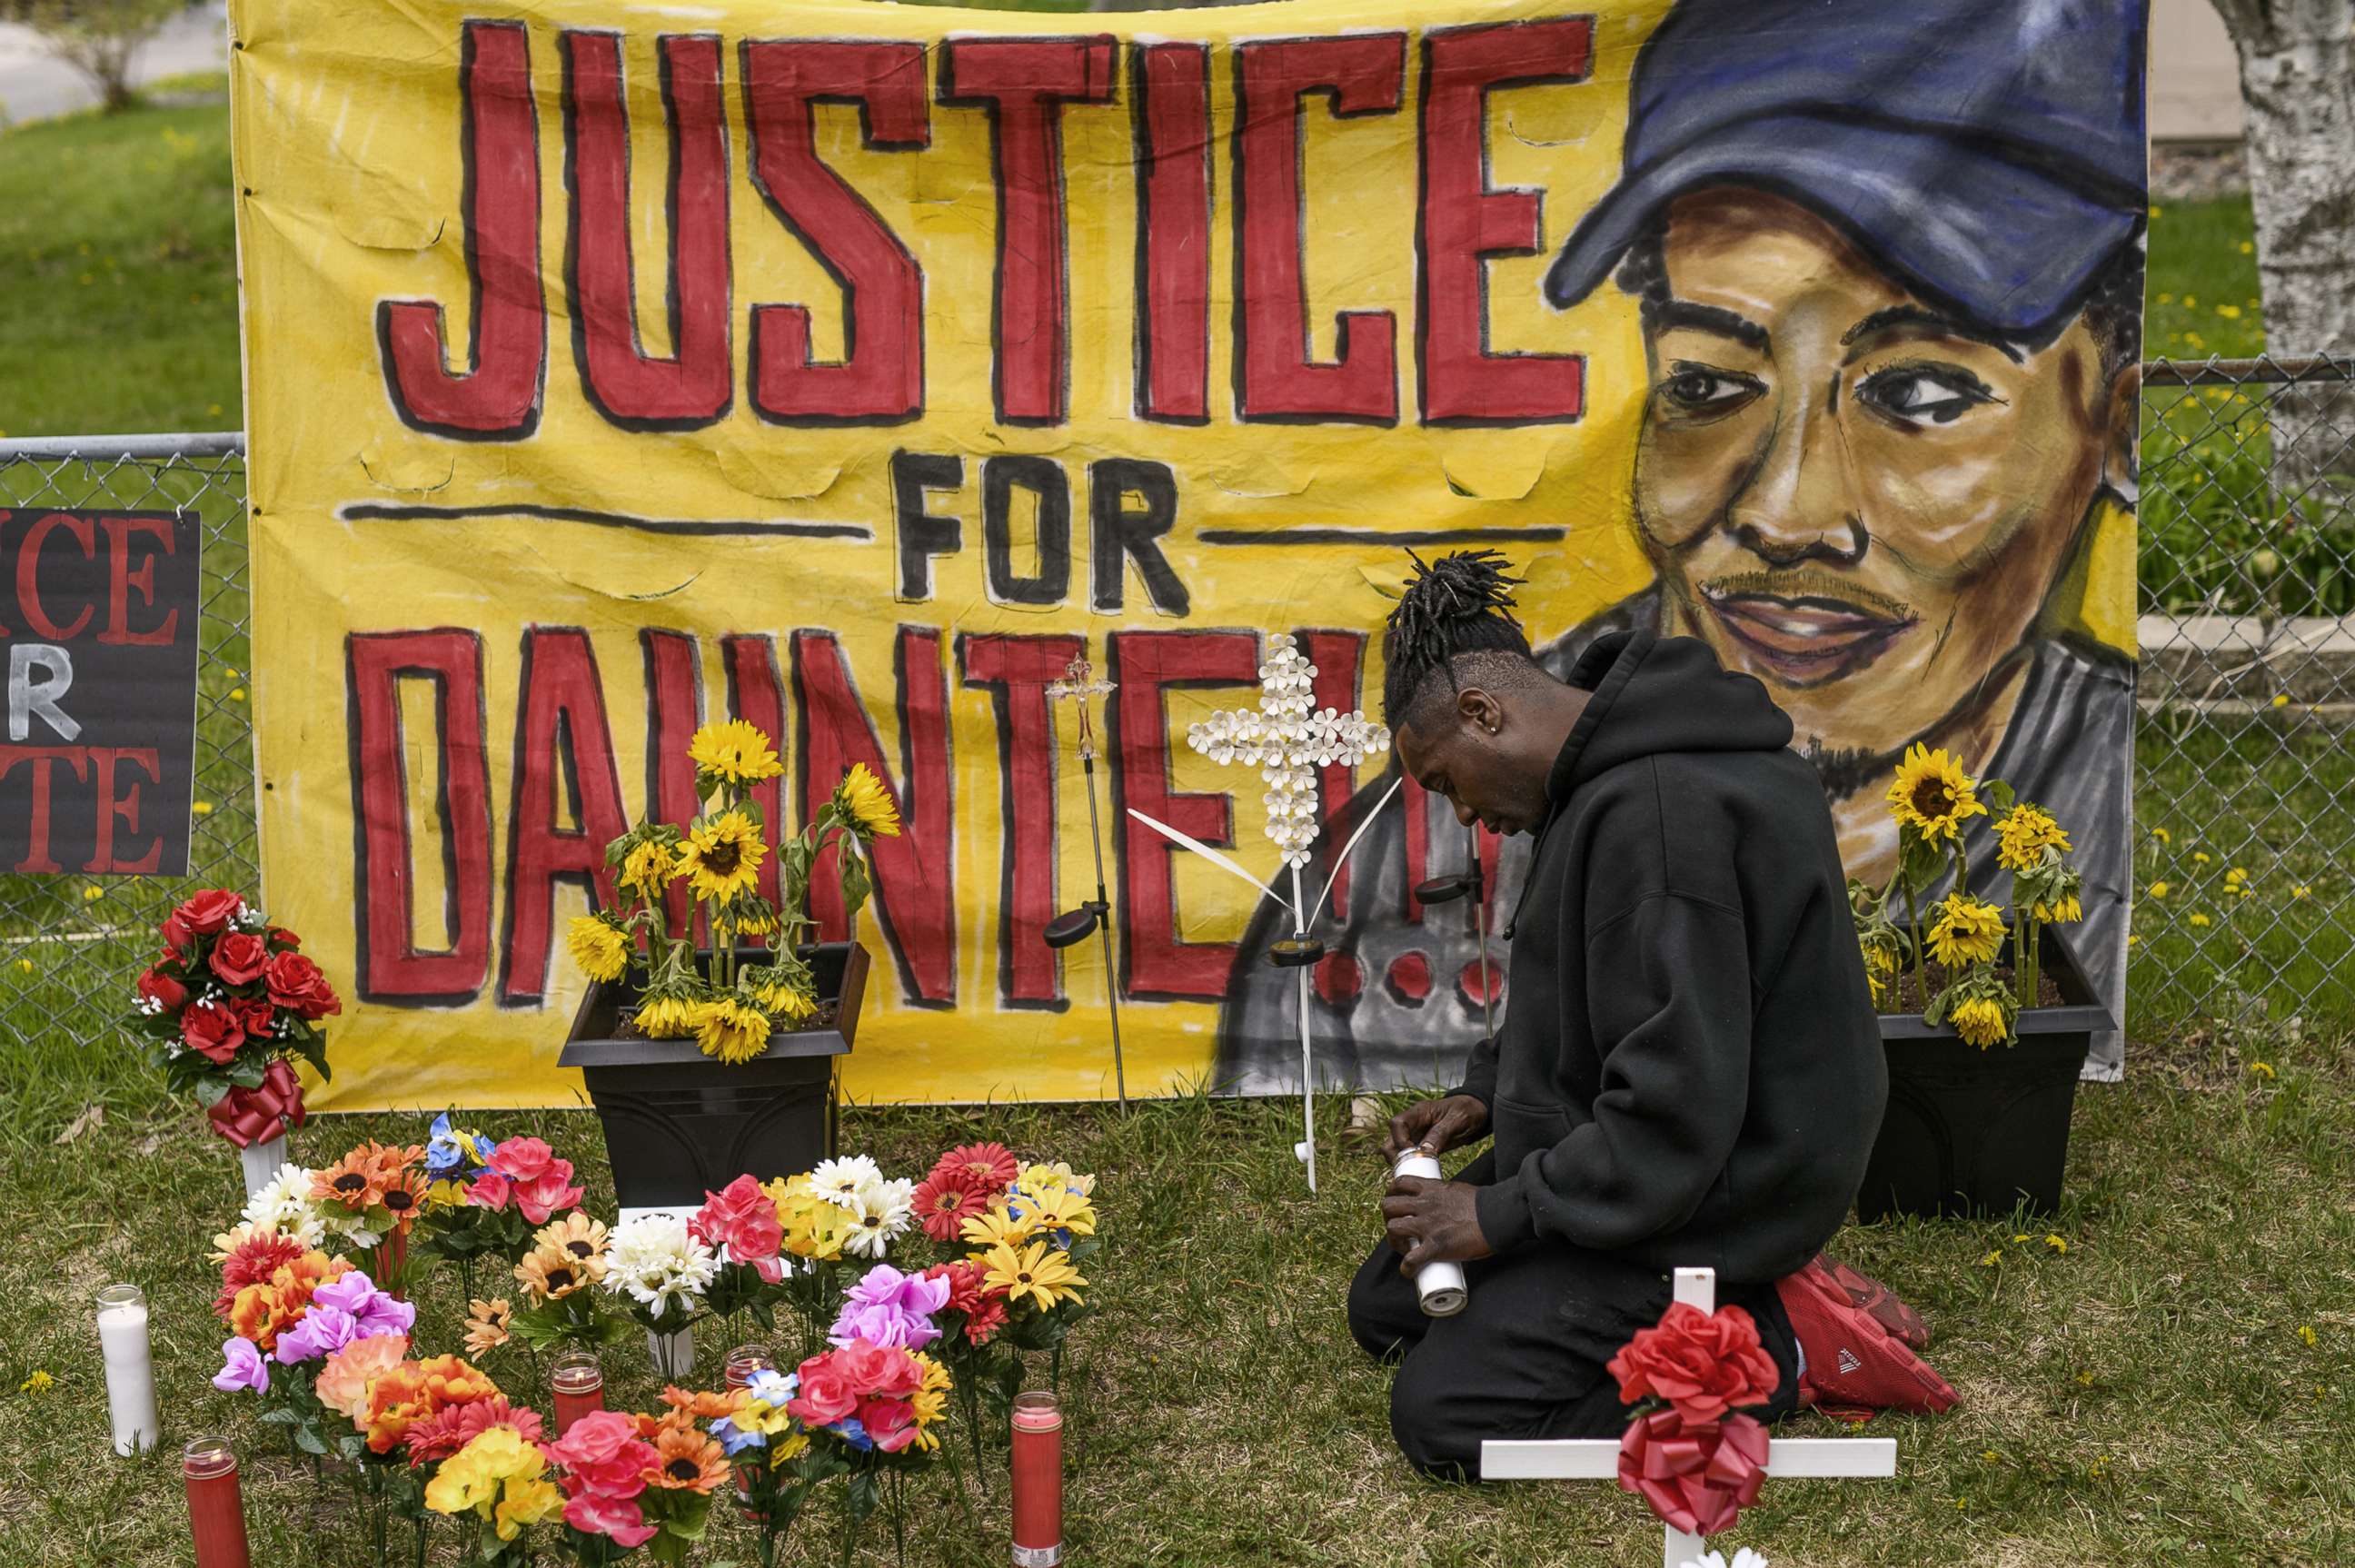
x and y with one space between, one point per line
228 1006
1696 1461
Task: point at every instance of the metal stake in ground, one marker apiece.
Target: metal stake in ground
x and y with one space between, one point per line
1073 925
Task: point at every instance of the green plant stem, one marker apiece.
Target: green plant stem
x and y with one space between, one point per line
1920 964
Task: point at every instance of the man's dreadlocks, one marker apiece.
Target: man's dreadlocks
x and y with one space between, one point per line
1455 619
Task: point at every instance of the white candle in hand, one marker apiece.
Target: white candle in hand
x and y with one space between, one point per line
130 1375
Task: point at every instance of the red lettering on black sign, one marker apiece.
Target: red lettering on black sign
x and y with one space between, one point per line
564 771
1275 380
497 397
881 377
38 620
915 873
391 967
1156 963
1463 221
694 383
1170 101
119 802
41 762
121 579
1024 84
1015 671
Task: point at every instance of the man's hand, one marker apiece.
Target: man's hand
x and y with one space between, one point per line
1433 1221
1436 1125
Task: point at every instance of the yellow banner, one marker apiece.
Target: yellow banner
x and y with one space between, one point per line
854 368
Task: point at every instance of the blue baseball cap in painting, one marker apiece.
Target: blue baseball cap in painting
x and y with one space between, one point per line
1987 153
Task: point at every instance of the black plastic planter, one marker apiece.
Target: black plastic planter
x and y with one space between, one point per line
1973 1131
678 1124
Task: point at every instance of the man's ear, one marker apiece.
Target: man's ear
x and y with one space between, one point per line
1476 708
2119 470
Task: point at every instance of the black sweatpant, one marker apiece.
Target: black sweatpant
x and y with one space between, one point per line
1525 1358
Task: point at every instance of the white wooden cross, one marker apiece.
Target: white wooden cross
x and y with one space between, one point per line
1288 741
1597 1459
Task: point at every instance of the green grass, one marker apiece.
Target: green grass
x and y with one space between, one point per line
2148 1395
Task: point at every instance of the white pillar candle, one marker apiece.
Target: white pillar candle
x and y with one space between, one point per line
260 1161
130 1375
1438 1287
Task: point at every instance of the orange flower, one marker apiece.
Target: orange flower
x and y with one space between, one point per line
262 1311
353 1182
703 1406
684 1459
347 1378
391 1159
403 1197
410 1391
486 1324
550 1274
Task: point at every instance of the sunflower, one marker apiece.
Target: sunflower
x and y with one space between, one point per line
2060 911
2023 835
580 1237
668 1018
1980 1022
1036 1271
1968 931
734 750
550 1274
861 798
791 1003
486 1325
402 1194
1934 794
648 865
602 953
684 1459
354 1182
731 1031
723 856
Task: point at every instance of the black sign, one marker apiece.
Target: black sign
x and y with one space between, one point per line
98 644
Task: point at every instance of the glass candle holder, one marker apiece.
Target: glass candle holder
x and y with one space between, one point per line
215 1504
130 1375
746 1360
1038 1480
576 1385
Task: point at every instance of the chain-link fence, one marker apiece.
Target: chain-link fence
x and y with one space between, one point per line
2244 760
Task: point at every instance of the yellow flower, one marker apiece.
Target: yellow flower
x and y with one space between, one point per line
2198 919
930 1400
602 953
527 1502
861 797
1039 1177
668 1018
2058 1243
2262 1069
486 1325
723 856
1992 1258
1059 1209
1968 931
40 1383
2281 699
791 1003
734 750
731 1031
2199 857
2023 835
2235 877
997 1228
550 1274
1979 1021
1038 1271
2300 891
578 1236
2163 834
2060 913
1933 794
471 1479
648 865
2158 890
2306 1332
815 1227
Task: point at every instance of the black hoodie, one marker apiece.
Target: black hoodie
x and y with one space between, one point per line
1689 1073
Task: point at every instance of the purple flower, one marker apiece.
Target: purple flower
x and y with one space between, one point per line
890 1309
246 1369
371 1311
322 1331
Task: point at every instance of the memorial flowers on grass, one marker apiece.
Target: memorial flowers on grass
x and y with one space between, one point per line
1932 802
499 1477
731 1005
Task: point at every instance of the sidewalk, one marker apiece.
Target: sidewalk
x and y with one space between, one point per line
35 84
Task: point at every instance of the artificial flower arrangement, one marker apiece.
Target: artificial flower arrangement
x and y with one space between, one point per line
730 1009
331 1350
1933 800
1689 1453
228 1008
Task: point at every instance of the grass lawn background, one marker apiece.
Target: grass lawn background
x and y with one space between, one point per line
2171 1388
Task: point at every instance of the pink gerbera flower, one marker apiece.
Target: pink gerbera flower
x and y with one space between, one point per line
946 1200
992 1168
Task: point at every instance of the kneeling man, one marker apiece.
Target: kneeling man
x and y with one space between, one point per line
1689 1071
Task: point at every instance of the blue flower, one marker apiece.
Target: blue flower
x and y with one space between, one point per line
854 1433
774 1387
443 1154
735 1441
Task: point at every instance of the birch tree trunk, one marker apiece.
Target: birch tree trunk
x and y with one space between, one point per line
2297 81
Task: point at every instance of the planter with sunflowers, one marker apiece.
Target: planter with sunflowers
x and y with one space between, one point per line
1984 1060
708 1061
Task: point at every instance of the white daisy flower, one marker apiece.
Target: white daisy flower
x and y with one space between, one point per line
655 1260
839 1180
881 1209
284 1205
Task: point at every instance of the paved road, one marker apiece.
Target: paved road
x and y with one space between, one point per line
33 84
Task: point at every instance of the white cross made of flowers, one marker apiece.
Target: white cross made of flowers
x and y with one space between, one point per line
1288 740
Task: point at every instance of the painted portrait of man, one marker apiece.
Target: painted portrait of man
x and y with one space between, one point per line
1887 261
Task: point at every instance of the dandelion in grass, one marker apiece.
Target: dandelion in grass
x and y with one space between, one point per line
2163 834
1932 794
1992 1259
721 857
40 1383
2198 919
2262 1069
602 953
2306 1332
863 800
2159 890
2300 891
735 752
2199 857
1968 931
2058 1243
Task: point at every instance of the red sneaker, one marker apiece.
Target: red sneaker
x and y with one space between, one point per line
1903 1322
1855 1365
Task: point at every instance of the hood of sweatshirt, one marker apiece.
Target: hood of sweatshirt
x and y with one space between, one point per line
1655 695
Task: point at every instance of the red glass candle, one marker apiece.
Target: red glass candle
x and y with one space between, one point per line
742 1363
577 1385
1038 1481
216 1507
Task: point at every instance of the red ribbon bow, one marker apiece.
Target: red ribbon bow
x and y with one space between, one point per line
1697 1476
244 1117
